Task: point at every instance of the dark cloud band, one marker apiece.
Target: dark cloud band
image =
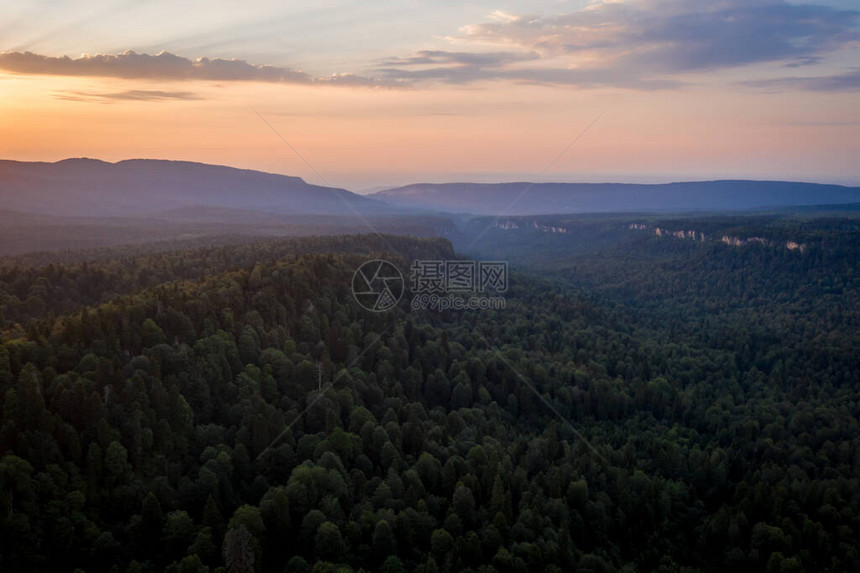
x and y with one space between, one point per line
168 67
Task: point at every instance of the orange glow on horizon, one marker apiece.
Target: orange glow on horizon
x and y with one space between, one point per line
357 137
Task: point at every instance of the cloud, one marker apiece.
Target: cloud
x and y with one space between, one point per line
439 57
807 61
680 35
643 44
129 95
465 67
167 67
849 81
636 44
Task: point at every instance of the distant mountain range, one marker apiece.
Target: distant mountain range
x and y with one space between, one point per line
177 189
140 187
557 198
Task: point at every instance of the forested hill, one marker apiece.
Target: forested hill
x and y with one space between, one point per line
165 412
35 286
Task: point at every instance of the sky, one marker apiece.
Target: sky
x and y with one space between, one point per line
367 94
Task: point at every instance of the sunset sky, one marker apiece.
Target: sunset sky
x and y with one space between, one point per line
376 93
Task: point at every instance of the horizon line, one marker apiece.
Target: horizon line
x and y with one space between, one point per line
380 188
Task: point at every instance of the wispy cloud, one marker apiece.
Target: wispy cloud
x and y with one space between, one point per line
807 61
679 35
464 68
636 44
128 95
849 81
643 44
169 67
440 57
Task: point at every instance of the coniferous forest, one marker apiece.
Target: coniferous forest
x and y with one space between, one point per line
651 404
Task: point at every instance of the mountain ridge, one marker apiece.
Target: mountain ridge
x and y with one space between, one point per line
142 187
91 187
525 198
